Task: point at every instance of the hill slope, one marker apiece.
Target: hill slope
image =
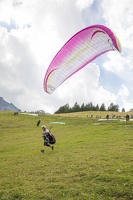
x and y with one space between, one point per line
5 106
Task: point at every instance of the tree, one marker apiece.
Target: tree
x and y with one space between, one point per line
88 107
82 107
63 109
113 107
102 107
123 110
76 108
97 107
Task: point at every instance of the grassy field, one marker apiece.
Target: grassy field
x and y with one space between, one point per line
92 160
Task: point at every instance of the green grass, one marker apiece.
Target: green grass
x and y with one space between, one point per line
92 160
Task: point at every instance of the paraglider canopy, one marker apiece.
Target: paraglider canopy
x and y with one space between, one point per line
78 51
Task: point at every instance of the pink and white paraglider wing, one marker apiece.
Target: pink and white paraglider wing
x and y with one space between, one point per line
78 51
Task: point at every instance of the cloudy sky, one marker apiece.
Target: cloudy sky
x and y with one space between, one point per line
32 32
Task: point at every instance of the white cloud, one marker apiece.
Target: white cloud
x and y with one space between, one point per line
123 92
83 4
120 20
32 32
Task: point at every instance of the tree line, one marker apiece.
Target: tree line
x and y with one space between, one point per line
87 107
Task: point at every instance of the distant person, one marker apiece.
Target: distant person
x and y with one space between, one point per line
48 138
38 122
15 113
127 117
107 117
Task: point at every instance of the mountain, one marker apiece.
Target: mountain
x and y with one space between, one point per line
5 106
